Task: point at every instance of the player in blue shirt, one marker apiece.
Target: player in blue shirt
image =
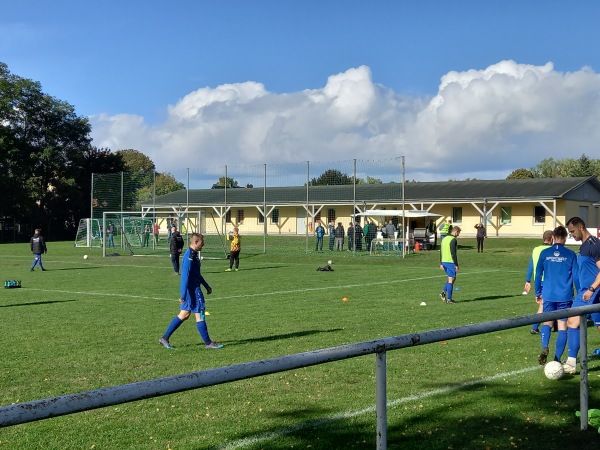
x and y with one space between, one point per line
555 277
191 297
533 260
589 282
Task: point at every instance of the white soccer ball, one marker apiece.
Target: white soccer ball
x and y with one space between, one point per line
330 262
554 370
84 256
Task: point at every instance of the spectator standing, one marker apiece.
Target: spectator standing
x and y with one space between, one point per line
175 248
111 235
339 237
38 248
350 236
319 232
146 238
156 232
331 229
235 248
481 235
358 236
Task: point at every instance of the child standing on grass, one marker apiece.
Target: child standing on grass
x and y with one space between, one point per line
236 246
38 247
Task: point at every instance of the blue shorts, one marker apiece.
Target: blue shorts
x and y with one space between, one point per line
594 300
194 301
556 306
450 269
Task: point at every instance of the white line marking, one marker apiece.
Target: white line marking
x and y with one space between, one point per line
371 409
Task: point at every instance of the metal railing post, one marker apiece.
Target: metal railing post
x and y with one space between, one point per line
381 400
583 374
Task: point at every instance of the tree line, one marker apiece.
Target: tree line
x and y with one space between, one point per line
47 161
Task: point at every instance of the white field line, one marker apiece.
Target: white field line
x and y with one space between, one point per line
261 294
369 410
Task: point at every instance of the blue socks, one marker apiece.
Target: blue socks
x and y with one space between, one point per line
172 327
545 335
561 343
573 342
203 330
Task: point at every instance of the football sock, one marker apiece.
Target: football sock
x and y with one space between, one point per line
449 290
561 343
203 330
172 327
573 342
545 335
535 326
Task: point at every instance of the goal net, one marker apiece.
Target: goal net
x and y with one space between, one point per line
89 233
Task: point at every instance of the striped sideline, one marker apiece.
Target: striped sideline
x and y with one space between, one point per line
369 410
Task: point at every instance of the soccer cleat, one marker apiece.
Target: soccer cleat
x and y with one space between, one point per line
227 270
213 344
31 270
569 369
43 270
450 301
543 356
165 343
532 331
443 296
237 270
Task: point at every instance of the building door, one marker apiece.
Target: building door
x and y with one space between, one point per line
300 221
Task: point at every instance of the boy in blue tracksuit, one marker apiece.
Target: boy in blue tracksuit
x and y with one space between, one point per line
556 275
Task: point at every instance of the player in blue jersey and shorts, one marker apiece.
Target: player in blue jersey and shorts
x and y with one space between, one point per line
556 281
191 298
589 281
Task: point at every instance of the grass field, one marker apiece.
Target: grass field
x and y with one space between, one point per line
87 324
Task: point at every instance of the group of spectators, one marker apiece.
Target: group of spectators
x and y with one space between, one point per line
353 236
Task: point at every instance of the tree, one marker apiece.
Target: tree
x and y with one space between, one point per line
230 183
139 166
41 138
165 183
520 174
369 180
332 177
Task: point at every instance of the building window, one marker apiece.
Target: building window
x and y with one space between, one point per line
240 216
318 217
331 215
228 217
506 215
261 217
539 214
457 214
275 216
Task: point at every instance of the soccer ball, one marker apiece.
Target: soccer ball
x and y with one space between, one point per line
84 256
330 262
554 370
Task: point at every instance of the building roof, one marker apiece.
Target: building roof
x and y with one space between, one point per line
585 189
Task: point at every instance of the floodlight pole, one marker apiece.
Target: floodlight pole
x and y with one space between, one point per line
404 235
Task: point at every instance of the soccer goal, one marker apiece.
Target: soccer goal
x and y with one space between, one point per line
89 233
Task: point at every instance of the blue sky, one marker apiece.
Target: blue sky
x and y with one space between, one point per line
462 89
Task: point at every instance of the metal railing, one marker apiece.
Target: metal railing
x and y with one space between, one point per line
68 404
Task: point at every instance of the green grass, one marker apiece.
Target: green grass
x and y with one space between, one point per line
84 325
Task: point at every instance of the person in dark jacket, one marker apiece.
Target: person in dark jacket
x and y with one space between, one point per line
350 237
481 235
38 248
175 248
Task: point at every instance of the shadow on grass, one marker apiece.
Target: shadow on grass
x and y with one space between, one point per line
510 418
47 302
242 269
281 336
487 297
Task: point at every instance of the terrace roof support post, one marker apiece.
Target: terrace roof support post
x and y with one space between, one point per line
583 375
381 400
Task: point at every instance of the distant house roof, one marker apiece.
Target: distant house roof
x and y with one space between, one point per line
585 189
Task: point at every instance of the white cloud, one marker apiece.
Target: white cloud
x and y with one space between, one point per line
481 123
